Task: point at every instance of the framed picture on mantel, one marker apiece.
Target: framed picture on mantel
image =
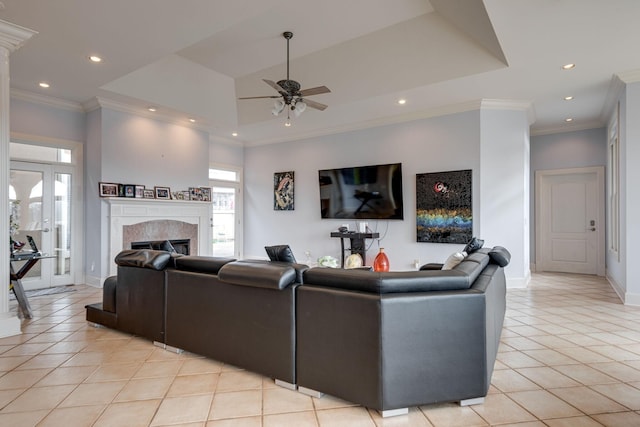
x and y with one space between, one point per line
163 193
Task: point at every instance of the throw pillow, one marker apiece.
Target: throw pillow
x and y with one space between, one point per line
500 256
163 246
453 260
473 245
280 253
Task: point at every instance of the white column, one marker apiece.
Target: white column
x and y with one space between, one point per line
11 38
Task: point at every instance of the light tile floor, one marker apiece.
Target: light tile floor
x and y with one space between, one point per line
570 356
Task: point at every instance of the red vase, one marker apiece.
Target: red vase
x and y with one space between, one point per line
381 262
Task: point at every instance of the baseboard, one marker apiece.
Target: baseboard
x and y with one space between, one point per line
9 325
519 282
616 287
94 281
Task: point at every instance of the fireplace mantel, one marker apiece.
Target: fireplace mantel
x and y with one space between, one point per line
129 211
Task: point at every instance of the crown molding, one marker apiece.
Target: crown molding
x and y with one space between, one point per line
568 128
13 36
631 76
50 101
367 124
492 104
511 104
101 102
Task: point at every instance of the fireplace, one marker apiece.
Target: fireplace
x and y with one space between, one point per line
143 220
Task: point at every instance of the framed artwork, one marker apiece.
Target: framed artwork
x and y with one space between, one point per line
177 195
148 193
206 194
163 193
195 193
139 191
185 195
283 186
129 190
108 189
444 207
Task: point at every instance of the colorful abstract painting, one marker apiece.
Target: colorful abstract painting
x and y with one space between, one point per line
443 207
283 191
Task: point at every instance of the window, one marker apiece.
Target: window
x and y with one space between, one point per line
226 206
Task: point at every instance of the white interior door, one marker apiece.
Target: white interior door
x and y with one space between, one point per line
570 220
41 194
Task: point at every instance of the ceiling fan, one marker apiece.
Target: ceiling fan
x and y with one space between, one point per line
291 97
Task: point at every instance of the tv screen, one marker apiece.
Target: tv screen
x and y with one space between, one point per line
362 192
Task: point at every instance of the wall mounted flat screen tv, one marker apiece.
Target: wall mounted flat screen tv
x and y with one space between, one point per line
362 192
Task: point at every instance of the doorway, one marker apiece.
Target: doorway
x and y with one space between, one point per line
570 220
40 201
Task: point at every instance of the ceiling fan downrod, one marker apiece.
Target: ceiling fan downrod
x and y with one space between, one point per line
287 35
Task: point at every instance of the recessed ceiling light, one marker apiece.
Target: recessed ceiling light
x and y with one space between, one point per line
568 66
234 134
43 84
95 58
152 109
402 101
568 98
569 119
192 120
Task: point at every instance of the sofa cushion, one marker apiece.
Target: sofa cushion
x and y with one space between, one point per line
387 282
258 274
144 258
201 264
500 256
280 253
473 245
453 260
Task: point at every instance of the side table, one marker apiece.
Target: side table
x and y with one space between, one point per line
357 241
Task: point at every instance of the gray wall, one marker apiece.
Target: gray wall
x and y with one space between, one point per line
584 148
435 144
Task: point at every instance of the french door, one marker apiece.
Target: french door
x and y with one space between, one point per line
40 200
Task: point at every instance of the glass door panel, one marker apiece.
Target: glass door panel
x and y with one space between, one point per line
223 220
26 218
40 197
62 224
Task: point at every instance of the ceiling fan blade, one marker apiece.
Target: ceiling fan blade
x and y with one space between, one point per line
275 85
314 91
314 104
259 97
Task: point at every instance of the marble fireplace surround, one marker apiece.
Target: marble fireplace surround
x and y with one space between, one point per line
132 220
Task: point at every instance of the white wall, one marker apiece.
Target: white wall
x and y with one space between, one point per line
630 199
504 188
46 121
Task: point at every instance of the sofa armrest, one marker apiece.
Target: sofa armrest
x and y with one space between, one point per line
258 274
109 294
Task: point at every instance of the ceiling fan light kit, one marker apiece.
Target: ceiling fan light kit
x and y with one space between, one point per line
291 97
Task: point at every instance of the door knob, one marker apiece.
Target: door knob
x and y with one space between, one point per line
45 230
592 229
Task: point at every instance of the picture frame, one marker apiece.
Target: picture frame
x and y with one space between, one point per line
195 193
185 194
162 192
149 193
283 191
108 189
206 194
139 191
129 190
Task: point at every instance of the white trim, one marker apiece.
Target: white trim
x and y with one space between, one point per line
519 282
13 36
49 101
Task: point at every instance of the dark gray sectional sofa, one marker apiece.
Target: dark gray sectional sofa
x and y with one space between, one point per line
384 340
